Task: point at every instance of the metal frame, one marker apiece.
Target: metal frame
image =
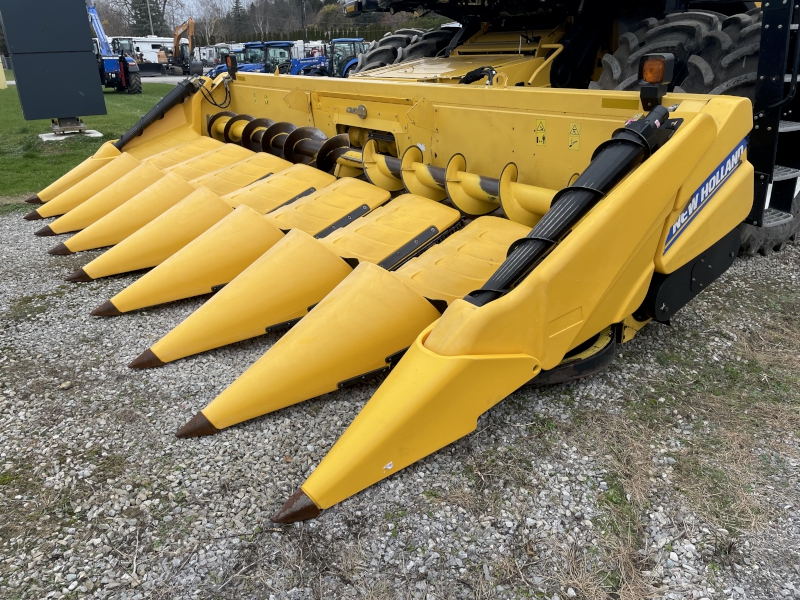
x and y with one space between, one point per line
773 183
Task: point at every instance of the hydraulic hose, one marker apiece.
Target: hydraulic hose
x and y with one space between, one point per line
612 161
182 91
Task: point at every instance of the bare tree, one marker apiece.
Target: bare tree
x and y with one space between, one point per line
210 19
260 16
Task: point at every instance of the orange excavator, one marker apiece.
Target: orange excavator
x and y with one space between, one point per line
182 53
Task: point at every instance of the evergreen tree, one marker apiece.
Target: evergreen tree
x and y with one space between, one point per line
140 19
237 18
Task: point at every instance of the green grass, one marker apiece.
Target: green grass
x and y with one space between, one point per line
27 164
9 74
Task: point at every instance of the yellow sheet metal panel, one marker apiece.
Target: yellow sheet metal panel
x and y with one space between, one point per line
447 124
181 122
107 199
268 194
367 317
152 144
105 154
297 272
374 237
234 177
427 402
213 258
89 184
223 156
717 193
135 213
172 156
163 236
462 262
319 210
596 276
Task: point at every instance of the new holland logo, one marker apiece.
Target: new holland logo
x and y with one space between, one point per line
705 193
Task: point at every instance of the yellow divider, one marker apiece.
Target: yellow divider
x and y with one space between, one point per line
124 220
89 185
210 162
217 256
199 211
371 315
182 136
367 317
163 236
298 272
172 156
113 196
295 182
166 193
198 275
105 154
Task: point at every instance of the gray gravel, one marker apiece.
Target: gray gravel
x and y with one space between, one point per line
556 495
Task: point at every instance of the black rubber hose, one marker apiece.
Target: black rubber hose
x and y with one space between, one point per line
612 161
182 91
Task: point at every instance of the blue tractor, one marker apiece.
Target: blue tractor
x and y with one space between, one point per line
261 57
118 72
342 58
265 57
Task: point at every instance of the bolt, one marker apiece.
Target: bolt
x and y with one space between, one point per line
664 308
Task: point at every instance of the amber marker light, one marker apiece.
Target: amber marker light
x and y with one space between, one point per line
653 70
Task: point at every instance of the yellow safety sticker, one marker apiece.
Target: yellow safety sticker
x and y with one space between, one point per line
541 132
574 142
574 136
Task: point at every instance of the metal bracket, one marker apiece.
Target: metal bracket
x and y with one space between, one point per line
360 111
408 248
362 378
302 194
344 221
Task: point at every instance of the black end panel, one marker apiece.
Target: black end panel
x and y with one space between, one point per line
669 293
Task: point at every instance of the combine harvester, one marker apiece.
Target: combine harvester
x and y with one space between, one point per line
466 224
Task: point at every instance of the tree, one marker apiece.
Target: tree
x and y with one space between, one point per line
331 17
237 20
147 16
210 22
260 19
114 20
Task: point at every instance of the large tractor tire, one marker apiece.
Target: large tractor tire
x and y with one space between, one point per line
715 54
681 34
134 83
403 45
428 45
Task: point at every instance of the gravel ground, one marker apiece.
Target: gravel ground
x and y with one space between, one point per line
672 475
